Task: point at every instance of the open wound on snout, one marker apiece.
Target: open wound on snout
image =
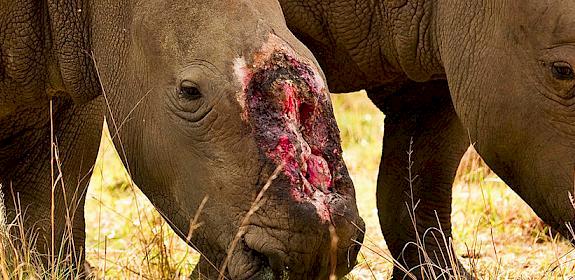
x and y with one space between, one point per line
289 112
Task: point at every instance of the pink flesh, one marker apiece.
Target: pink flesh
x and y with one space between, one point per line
290 113
318 173
291 102
310 170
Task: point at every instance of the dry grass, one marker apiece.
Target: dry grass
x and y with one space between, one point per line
495 234
126 237
19 257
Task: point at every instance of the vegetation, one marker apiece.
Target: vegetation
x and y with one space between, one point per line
496 235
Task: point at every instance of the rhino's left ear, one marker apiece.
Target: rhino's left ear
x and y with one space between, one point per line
71 44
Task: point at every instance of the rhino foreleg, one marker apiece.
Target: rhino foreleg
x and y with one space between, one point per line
44 189
423 144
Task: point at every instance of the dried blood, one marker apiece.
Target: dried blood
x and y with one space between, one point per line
291 117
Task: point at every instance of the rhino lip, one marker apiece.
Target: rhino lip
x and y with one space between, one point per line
263 267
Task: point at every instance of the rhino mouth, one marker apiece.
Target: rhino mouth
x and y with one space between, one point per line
253 264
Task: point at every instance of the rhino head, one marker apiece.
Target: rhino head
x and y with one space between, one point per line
209 98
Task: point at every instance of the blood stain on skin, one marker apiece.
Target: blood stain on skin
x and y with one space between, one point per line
290 114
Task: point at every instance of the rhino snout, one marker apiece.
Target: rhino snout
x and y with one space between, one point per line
286 104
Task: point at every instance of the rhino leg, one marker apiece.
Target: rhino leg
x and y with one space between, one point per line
27 178
422 113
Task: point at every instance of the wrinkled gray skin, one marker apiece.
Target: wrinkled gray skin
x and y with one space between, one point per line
178 147
448 73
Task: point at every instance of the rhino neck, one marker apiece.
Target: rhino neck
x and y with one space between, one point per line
379 42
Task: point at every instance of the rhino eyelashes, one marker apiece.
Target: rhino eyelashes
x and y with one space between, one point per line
189 90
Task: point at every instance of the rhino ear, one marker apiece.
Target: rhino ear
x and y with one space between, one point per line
71 44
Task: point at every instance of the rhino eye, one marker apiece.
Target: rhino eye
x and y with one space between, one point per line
562 71
189 91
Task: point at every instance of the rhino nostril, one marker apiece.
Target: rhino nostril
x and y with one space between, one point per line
354 249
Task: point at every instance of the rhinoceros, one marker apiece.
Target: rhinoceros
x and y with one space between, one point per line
447 74
203 99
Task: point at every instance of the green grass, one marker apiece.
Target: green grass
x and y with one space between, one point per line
496 235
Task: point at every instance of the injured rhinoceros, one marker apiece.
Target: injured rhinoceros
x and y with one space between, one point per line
203 99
